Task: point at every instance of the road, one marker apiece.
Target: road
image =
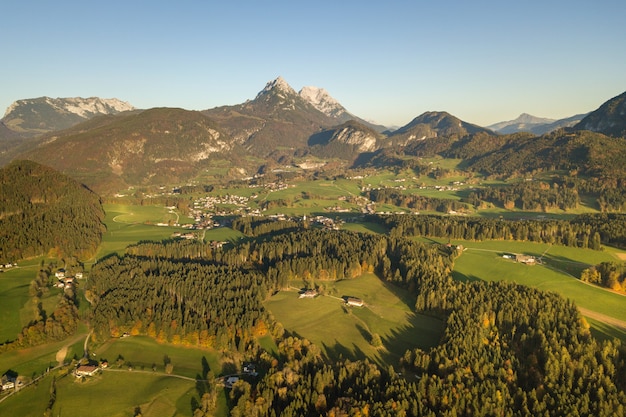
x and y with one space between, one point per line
612 321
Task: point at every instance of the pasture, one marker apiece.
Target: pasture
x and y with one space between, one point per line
342 331
35 360
143 353
128 224
15 309
559 273
125 394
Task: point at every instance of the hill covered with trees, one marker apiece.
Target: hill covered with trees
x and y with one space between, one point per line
506 350
45 212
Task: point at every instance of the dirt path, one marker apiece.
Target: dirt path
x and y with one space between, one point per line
612 321
62 353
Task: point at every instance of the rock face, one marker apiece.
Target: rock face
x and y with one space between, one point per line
324 102
44 114
321 100
610 118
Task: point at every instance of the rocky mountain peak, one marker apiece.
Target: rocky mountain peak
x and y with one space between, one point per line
321 100
278 85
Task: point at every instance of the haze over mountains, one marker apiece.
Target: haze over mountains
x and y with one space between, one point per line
537 125
108 144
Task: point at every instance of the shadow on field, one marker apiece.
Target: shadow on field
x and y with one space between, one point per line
424 332
458 276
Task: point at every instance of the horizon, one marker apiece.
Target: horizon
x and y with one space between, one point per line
388 64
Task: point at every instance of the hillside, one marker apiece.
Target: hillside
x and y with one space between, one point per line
345 141
45 212
156 146
434 125
609 118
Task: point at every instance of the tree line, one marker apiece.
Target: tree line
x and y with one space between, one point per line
583 231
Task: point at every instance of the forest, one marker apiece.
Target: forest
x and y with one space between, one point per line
43 212
507 349
584 231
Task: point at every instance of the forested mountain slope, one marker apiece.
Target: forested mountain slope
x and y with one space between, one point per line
43 211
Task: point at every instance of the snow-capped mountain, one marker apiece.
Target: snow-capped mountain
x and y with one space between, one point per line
45 114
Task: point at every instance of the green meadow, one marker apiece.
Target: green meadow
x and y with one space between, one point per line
15 309
559 272
125 394
129 224
143 353
342 331
35 360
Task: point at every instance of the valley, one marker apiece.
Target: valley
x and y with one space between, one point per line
277 256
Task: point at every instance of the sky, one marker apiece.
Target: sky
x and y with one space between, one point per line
387 62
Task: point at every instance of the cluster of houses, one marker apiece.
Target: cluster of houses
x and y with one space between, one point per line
7 265
65 280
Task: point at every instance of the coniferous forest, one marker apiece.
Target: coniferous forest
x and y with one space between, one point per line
45 212
507 349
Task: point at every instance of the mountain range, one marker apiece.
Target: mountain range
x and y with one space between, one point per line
35 116
114 145
537 125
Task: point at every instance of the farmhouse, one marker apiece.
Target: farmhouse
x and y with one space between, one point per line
7 382
86 370
354 302
230 381
308 294
525 259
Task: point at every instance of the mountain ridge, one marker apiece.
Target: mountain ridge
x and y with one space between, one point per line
533 124
45 114
609 118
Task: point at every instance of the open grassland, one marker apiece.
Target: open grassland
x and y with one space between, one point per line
143 352
125 394
30 401
14 299
35 360
559 273
346 331
127 224
365 227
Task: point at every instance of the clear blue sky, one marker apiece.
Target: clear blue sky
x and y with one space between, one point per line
483 61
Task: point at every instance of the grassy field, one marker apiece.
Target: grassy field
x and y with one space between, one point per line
559 274
14 297
124 394
35 360
30 401
143 352
127 225
341 331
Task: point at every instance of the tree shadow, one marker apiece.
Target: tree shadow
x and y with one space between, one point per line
337 352
423 332
459 276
